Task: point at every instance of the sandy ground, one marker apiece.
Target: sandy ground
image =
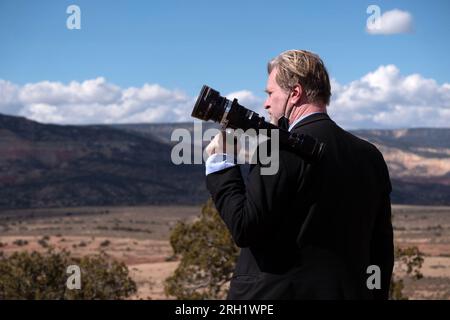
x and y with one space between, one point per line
150 277
139 237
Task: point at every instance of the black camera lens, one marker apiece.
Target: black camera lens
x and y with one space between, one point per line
209 105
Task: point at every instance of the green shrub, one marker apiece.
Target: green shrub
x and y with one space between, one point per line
208 256
20 242
25 275
410 259
105 243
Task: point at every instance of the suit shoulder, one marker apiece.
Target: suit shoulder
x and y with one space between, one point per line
375 156
365 146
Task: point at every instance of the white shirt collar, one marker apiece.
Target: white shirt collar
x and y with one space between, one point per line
301 118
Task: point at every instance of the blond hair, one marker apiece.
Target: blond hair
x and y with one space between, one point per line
304 68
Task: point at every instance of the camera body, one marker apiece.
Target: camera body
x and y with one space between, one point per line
211 105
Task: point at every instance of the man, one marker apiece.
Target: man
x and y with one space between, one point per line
312 230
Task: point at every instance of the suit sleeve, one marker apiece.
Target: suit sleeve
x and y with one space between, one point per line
249 211
383 241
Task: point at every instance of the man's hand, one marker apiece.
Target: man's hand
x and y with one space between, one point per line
223 142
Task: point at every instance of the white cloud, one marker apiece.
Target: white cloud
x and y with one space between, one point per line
55 93
94 101
383 98
386 99
392 22
9 100
43 113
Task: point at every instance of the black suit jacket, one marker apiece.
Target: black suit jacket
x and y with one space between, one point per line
311 230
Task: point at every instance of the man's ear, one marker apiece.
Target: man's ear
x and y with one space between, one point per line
296 93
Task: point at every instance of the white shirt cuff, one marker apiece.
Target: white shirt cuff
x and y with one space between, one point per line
218 161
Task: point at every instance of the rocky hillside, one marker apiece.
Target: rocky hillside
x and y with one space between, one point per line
418 161
45 165
52 165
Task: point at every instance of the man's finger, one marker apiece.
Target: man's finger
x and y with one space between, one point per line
214 145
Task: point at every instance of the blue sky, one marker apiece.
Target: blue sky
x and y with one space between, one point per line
181 45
